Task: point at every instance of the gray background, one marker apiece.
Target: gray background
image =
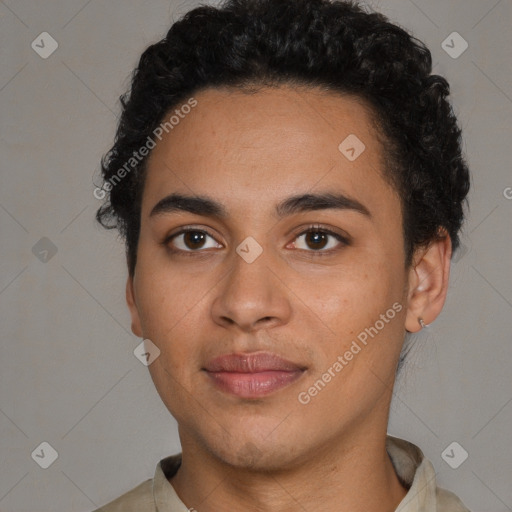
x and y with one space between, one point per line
68 373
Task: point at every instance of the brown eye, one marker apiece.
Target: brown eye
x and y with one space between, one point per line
194 239
191 240
317 240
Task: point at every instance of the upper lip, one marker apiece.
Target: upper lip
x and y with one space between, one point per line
251 363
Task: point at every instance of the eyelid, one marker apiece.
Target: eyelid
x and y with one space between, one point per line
321 227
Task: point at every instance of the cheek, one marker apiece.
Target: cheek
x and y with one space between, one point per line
362 304
164 294
357 294
358 362
167 308
169 315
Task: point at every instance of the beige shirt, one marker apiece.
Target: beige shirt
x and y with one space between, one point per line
412 468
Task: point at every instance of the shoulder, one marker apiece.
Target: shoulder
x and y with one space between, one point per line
449 502
138 499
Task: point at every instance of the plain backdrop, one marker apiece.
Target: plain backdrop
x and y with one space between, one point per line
69 377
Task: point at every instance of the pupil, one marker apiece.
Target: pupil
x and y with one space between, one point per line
315 235
194 238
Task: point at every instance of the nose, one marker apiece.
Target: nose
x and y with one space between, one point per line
252 296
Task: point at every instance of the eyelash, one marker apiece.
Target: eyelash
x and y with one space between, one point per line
315 228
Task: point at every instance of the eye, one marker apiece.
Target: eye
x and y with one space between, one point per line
313 240
317 239
190 240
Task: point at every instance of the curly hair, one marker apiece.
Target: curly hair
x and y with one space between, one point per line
335 45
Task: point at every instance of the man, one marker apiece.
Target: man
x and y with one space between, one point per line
289 181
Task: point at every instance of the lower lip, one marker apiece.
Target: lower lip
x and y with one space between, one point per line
253 385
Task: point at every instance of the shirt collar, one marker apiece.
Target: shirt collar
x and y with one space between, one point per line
166 499
416 473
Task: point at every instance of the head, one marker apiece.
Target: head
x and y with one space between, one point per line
316 162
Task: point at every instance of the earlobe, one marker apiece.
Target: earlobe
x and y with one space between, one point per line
428 283
132 306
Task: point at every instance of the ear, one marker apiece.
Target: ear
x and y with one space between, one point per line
132 306
428 282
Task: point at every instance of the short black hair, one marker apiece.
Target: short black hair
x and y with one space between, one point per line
338 46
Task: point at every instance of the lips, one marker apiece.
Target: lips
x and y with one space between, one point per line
252 375
251 363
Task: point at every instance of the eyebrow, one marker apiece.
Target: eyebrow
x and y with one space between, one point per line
208 207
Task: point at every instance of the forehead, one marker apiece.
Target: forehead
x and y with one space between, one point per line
251 148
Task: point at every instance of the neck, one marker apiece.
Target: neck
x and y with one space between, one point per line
350 474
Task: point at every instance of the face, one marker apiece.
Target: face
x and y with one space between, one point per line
317 281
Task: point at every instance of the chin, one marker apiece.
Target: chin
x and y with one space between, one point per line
256 454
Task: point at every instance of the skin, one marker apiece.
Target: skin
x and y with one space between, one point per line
249 152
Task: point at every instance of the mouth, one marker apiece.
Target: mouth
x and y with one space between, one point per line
252 375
